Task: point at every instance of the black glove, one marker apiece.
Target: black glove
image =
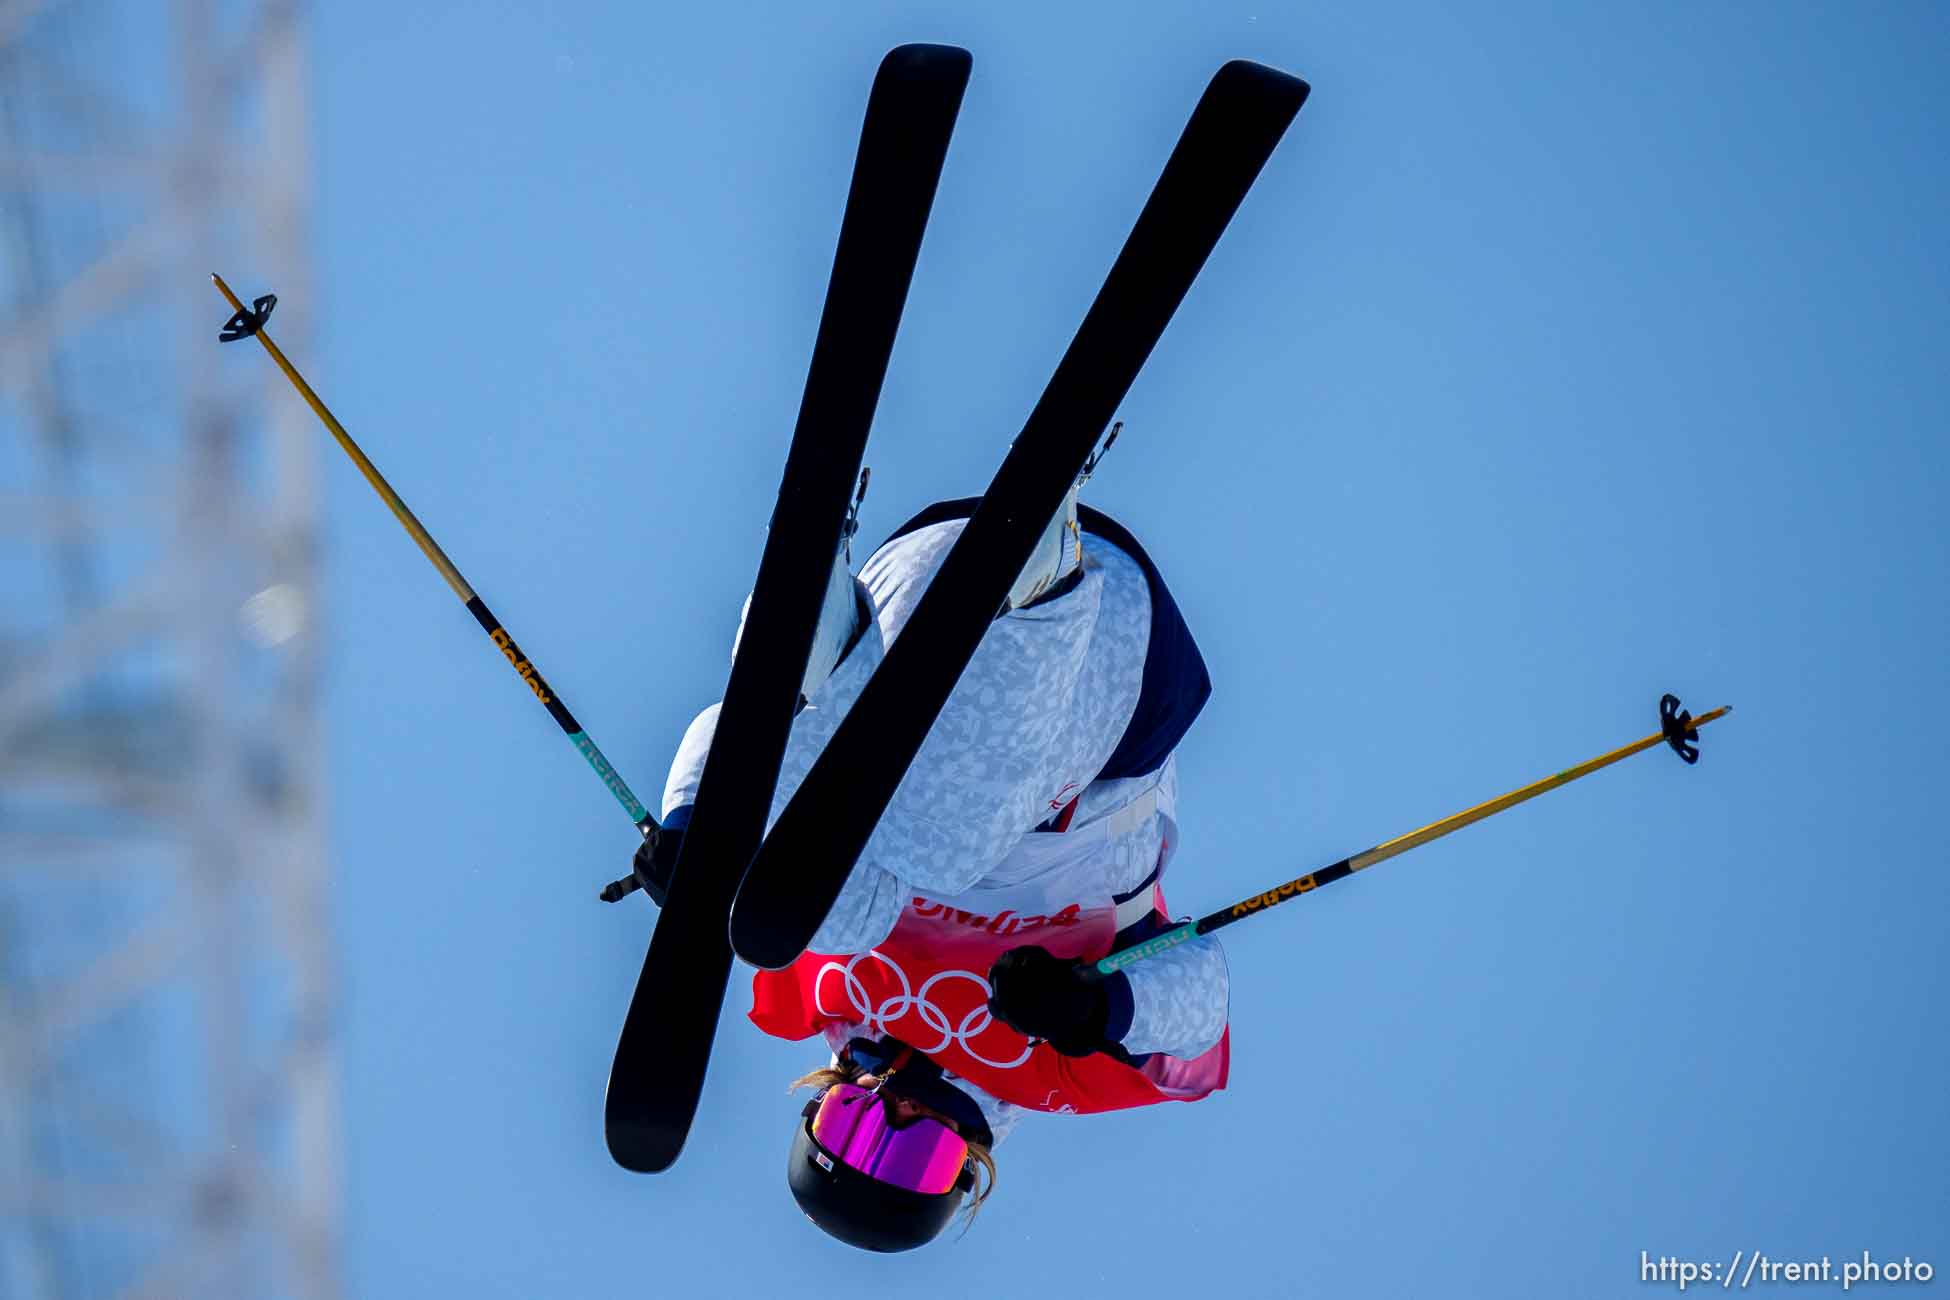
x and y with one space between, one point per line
1047 997
656 862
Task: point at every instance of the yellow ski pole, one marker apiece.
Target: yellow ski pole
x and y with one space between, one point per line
249 322
1676 728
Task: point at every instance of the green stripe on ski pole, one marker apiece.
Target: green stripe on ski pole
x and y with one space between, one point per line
617 786
248 322
1151 947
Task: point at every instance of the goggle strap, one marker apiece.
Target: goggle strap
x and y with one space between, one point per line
901 1058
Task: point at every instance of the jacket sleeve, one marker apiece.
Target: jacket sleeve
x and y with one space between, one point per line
1178 1000
686 766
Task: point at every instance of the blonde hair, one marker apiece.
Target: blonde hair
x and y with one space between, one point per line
979 1155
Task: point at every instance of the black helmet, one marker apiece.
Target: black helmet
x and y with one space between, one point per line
857 1208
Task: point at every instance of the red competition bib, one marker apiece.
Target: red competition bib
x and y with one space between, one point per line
927 984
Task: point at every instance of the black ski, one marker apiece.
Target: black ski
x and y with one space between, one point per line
661 1056
804 862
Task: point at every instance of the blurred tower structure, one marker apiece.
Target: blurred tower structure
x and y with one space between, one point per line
168 1073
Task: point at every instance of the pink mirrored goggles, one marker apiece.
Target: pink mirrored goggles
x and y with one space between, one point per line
857 1129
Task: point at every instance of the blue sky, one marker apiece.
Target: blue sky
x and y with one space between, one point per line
1561 357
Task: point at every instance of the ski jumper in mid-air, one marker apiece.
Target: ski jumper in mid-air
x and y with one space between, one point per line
1028 839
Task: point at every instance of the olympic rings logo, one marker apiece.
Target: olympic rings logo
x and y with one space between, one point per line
897 1005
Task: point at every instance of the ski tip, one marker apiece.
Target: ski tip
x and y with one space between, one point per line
935 59
1283 85
641 1149
635 1140
762 942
